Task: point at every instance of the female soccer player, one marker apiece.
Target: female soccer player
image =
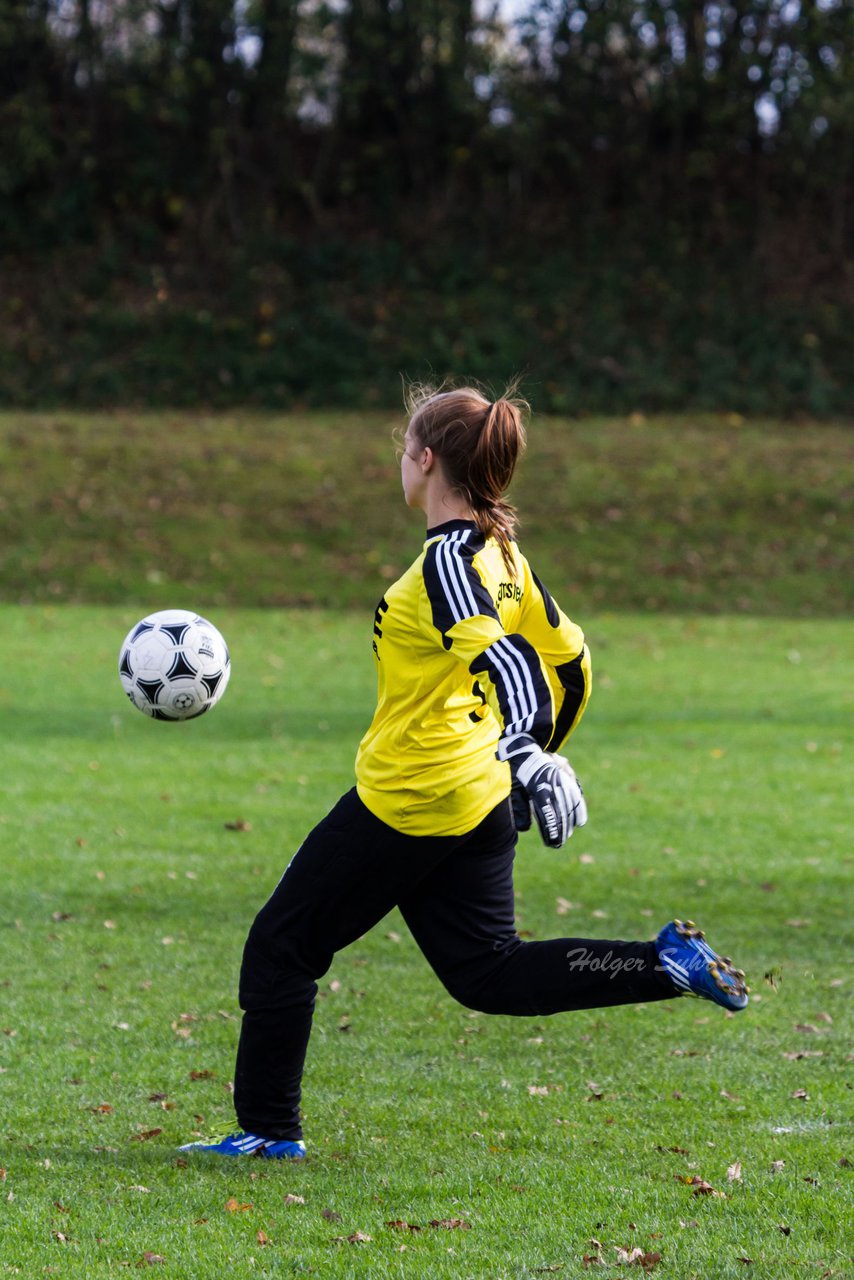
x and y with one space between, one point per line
481 679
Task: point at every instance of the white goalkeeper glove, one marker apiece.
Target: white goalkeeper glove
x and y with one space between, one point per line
546 786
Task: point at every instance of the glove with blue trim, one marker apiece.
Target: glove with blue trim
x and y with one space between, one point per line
545 787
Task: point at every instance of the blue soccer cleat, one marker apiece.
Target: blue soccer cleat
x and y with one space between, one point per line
695 969
250 1144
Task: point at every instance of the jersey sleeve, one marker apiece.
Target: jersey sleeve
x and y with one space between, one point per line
564 656
464 619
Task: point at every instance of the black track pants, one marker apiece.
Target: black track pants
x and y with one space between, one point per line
456 895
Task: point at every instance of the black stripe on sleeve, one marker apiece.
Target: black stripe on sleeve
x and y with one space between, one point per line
571 676
550 606
523 695
454 587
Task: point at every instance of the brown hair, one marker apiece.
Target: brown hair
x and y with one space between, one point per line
479 443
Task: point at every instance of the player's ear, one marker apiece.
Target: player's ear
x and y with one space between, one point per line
428 459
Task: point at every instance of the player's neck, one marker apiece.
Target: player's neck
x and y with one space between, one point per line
439 508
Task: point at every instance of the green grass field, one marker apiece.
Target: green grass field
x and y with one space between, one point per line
716 757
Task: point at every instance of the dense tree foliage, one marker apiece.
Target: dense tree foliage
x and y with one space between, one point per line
697 147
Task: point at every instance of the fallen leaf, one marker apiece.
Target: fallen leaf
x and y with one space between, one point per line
145 1135
804 1053
233 1205
563 906
733 1173
203 1075
451 1224
629 1255
787 1231
732 1097
777 1166
290 1198
801 1093
358 1237
748 1262
60 1236
798 924
239 825
699 1186
262 1238
147 1190
149 1259
330 1215
398 1224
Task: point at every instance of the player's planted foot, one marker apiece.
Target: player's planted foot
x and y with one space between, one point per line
696 970
250 1144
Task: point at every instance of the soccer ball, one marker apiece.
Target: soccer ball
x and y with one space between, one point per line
174 665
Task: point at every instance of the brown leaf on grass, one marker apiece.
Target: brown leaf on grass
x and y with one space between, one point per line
781 1226
679 1151
64 1208
262 1238
638 1258
777 1166
204 1074
731 1097
240 824
330 1215
290 1198
813 1182
592 1260
157 1097
145 1135
808 1028
398 1224
358 1237
699 1186
451 1224
60 1236
801 1093
798 1054
102 1109
232 1205
733 1173
748 1262
149 1259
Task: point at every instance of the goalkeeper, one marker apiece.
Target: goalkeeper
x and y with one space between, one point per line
481 678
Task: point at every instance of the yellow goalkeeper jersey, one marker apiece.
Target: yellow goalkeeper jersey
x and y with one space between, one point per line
466 652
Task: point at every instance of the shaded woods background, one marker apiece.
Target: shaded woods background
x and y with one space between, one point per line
642 204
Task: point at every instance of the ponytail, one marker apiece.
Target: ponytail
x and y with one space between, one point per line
479 443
